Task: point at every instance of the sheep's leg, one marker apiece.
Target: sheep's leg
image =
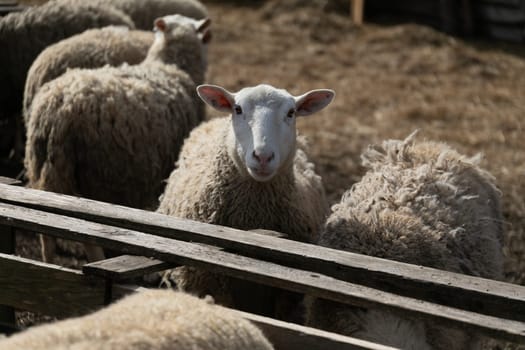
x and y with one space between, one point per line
48 247
94 253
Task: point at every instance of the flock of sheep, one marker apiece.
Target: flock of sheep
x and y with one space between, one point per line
106 108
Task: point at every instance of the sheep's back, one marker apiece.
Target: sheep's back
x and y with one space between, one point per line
120 128
90 49
156 320
422 203
143 15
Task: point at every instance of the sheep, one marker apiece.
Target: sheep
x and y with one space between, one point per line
420 203
153 319
25 34
113 45
247 171
143 13
113 133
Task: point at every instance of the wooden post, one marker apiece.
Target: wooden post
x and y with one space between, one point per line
357 7
7 245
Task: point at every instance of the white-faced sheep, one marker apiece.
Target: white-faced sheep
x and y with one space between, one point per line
421 203
247 171
154 320
113 133
25 34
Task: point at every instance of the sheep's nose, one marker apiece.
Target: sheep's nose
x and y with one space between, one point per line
263 157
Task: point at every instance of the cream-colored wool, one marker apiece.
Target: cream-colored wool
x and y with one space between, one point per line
93 48
113 134
206 186
421 203
143 13
25 34
153 320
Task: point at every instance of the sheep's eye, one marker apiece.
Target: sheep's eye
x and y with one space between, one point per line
291 113
238 109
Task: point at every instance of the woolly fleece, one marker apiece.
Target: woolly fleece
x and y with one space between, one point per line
143 13
154 320
93 48
25 34
420 203
206 186
113 134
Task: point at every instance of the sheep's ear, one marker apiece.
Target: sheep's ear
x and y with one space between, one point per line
313 101
203 29
203 24
206 37
217 97
160 24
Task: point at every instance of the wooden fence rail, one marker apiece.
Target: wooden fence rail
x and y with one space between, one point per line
493 308
56 291
466 292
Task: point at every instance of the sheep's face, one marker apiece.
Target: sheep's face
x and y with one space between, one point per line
263 124
166 27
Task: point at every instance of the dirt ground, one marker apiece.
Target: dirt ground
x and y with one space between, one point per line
389 80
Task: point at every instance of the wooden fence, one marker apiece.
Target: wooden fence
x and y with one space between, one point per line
493 308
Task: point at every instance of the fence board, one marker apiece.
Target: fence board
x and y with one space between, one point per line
125 267
7 246
61 292
291 336
30 285
263 272
460 291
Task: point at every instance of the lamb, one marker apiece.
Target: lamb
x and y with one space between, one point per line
143 13
24 35
154 319
113 133
420 203
247 171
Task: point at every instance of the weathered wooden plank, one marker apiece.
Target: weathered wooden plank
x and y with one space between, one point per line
9 181
214 260
282 335
125 267
456 290
285 335
48 289
7 246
